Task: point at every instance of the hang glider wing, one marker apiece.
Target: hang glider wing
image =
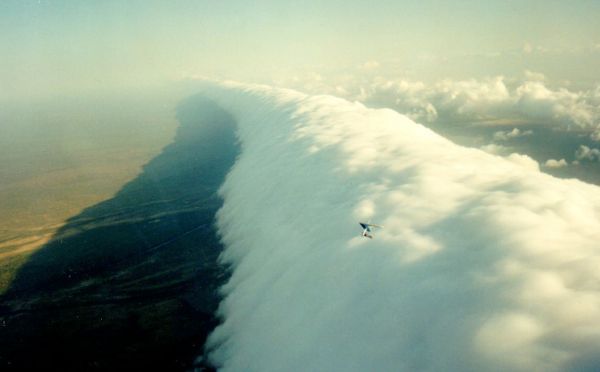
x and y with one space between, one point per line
367 226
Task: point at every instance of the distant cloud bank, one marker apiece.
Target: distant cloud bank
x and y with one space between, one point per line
484 264
487 101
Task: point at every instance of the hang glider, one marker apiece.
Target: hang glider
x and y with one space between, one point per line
367 228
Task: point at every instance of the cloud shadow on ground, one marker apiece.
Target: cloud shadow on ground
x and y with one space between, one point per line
130 283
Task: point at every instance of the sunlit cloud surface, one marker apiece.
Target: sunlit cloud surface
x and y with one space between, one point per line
484 262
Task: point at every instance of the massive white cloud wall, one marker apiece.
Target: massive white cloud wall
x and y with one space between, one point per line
484 264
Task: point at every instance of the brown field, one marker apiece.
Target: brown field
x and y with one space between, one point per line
59 159
108 253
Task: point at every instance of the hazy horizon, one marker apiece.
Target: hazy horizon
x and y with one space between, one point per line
61 47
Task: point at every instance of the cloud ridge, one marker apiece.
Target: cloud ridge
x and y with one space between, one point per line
485 263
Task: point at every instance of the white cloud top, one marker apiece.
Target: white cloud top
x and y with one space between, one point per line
484 264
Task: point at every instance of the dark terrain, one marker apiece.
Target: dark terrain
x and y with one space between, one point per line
132 282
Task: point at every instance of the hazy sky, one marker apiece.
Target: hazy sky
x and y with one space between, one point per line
51 47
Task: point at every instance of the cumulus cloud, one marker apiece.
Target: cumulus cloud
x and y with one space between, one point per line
447 99
553 163
586 153
495 149
490 100
506 135
540 102
485 263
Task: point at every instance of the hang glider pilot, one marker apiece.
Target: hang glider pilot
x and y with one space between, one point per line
367 229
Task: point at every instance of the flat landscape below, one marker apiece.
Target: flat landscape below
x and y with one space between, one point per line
131 281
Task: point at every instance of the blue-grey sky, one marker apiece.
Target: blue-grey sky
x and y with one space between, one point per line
67 47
